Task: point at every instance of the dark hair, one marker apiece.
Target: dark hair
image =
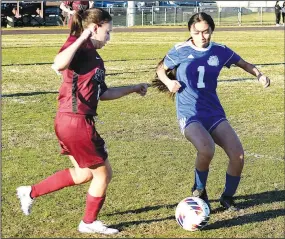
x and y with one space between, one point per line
171 74
157 83
199 17
82 18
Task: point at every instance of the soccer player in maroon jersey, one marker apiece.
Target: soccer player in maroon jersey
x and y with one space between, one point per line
83 86
70 7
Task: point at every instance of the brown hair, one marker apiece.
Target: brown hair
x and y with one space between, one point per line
199 17
81 19
157 83
171 74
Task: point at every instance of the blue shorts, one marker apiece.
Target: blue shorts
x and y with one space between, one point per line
209 123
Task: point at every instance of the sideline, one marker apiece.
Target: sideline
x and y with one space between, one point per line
135 29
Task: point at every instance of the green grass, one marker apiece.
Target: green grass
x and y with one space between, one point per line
152 162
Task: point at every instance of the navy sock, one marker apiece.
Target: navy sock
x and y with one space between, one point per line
232 183
200 179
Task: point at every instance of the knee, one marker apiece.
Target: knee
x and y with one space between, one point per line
103 178
207 153
82 176
238 156
241 157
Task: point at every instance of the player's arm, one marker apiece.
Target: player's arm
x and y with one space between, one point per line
264 80
64 58
63 7
172 85
118 92
91 4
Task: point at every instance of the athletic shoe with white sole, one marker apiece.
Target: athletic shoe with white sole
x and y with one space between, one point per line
26 201
96 227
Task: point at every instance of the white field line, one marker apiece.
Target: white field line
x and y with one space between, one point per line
262 156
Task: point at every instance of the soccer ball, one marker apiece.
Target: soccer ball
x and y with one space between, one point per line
192 213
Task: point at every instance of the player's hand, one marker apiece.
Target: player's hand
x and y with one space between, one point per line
86 34
173 86
264 80
141 88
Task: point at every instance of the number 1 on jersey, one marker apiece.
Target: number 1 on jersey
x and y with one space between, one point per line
201 83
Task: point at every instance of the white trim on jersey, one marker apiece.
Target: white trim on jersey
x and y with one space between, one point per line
222 119
182 123
229 59
200 49
172 60
99 91
217 44
181 44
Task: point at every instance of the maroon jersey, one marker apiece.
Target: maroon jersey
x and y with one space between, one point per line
83 82
77 5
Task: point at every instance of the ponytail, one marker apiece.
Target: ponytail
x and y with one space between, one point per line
171 74
76 25
159 85
82 18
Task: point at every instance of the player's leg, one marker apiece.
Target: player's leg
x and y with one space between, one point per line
225 136
96 195
55 182
278 19
79 175
71 132
205 147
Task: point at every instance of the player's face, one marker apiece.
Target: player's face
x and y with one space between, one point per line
201 34
102 34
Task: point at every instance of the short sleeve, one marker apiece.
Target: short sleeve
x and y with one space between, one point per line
103 87
70 40
230 57
171 60
99 79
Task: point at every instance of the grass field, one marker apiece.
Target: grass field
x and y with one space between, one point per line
152 162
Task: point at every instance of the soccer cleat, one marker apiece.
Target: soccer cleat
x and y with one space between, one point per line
26 201
201 193
228 203
96 227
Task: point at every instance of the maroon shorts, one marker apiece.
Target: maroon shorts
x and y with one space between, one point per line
78 137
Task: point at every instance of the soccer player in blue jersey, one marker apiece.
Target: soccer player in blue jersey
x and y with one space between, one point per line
190 71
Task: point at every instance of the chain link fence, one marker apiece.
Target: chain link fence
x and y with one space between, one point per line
167 16
223 16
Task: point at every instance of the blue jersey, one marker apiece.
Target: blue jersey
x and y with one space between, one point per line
197 72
